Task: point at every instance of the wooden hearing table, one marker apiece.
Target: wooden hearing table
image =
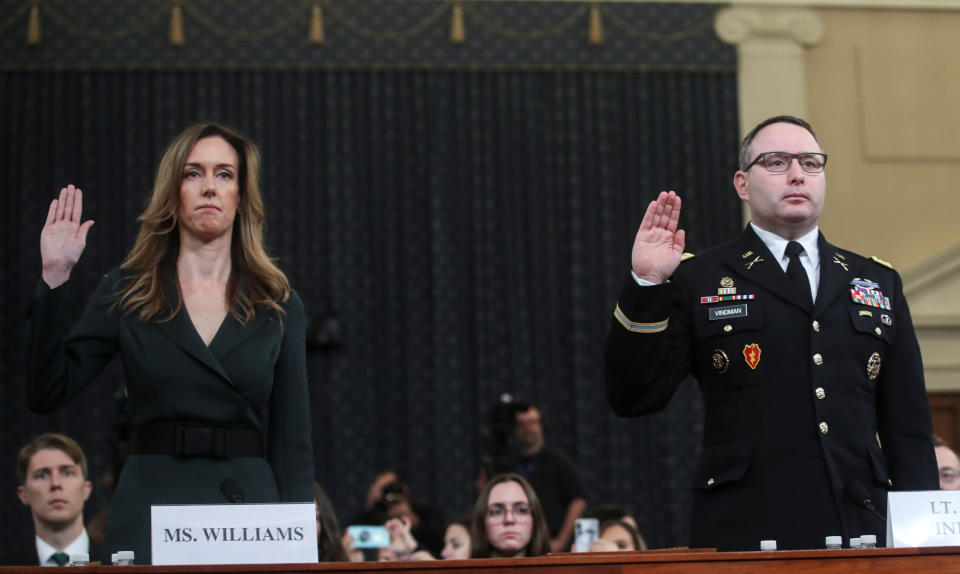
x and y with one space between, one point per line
879 561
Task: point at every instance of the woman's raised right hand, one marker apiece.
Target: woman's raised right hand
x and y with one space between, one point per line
63 236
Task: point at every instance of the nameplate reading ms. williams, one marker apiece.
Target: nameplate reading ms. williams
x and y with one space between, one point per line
183 534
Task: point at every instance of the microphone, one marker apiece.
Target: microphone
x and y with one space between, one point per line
231 490
858 493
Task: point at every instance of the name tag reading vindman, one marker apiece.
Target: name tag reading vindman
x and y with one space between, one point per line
233 534
923 518
729 312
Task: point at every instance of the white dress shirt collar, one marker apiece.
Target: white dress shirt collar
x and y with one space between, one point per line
778 246
810 258
45 551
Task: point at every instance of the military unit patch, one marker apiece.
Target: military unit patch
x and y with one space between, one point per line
751 354
866 292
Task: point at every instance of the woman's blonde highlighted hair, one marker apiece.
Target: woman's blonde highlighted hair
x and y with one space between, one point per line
254 278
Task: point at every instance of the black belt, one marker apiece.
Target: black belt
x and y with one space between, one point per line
200 441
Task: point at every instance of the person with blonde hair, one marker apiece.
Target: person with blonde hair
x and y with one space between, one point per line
210 333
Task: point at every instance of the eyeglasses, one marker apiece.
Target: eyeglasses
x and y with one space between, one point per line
498 512
779 161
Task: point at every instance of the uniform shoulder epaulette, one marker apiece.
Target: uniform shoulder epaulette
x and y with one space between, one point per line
687 255
881 261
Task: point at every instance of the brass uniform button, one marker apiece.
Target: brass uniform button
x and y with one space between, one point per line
889 482
824 428
821 394
878 331
818 359
728 328
710 481
816 326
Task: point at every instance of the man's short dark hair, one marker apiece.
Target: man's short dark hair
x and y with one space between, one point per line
745 158
522 406
54 441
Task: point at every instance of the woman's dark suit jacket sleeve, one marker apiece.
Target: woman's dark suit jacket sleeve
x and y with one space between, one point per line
290 451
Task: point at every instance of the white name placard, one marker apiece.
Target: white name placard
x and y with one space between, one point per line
923 518
233 534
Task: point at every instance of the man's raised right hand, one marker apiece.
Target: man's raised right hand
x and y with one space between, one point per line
659 244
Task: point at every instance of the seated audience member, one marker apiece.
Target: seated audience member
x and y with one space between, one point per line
607 512
508 520
550 471
389 497
403 546
617 535
355 554
329 538
456 540
52 470
948 464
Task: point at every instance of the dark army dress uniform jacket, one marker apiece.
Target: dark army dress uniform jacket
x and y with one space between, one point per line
799 403
247 372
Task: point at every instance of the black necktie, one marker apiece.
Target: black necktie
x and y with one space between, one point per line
797 274
60 558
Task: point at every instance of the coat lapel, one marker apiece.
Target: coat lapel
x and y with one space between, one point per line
182 332
232 333
837 269
753 261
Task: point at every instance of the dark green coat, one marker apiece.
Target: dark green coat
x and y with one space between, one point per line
252 376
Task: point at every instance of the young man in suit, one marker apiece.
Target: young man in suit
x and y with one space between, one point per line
53 482
805 353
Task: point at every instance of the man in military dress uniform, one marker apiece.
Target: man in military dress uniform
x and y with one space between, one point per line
805 353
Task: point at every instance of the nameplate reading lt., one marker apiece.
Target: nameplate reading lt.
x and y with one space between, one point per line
923 518
729 312
233 534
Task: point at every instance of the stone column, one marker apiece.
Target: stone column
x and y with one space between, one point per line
770 43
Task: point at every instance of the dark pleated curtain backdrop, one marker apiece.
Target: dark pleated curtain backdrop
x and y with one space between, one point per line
470 230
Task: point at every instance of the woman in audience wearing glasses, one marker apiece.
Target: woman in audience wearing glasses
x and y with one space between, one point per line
508 520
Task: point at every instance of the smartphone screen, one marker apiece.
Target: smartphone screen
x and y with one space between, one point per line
365 536
585 531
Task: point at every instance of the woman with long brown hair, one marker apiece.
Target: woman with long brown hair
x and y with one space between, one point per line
508 520
210 333
330 546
